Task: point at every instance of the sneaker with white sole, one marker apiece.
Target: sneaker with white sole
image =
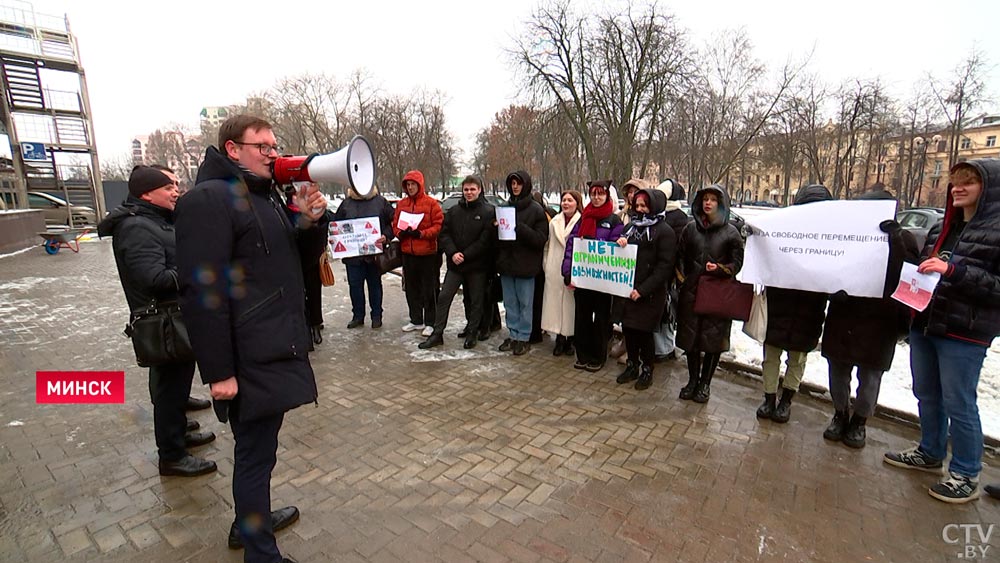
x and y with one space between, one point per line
428 330
956 489
913 458
410 327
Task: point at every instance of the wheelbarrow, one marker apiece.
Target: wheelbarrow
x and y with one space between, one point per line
69 238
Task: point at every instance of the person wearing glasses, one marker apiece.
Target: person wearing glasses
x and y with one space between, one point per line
239 262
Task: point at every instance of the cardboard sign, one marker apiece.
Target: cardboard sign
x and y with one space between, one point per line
603 266
355 237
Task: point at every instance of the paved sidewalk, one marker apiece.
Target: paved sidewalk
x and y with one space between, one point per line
446 455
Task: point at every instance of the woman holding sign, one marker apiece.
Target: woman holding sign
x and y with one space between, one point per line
417 223
709 246
557 301
592 322
654 272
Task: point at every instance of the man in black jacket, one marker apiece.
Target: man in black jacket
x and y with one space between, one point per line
466 240
239 265
949 339
520 260
145 253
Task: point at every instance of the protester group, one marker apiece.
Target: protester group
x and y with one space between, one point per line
245 294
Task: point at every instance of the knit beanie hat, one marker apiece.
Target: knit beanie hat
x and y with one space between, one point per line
146 179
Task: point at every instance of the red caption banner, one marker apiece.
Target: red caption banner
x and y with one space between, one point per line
69 387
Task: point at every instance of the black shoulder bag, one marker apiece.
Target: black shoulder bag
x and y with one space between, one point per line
159 336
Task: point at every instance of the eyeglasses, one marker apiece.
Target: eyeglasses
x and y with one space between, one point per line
264 148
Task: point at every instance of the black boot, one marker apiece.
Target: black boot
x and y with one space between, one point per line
433 340
694 374
569 350
464 333
766 409
784 409
838 426
704 389
856 434
557 350
645 378
630 374
470 341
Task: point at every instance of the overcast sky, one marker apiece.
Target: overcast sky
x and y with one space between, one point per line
153 63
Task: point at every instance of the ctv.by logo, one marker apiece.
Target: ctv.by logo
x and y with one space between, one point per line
976 537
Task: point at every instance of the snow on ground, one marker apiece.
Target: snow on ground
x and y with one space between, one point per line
896 389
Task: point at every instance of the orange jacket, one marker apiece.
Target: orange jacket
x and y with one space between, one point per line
429 226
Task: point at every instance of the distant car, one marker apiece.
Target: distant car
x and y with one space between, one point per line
453 199
54 209
919 221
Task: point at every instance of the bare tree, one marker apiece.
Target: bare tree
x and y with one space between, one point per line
116 168
960 95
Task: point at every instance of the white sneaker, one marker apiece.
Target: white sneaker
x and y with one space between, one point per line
428 330
410 327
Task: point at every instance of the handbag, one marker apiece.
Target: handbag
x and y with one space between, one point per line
326 276
756 326
159 336
724 298
391 257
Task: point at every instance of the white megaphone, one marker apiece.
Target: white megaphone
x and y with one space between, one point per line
353 165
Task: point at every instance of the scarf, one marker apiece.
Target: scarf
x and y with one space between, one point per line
639 228
561 228
588 223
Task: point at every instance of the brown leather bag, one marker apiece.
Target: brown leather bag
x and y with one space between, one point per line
724 298
326 270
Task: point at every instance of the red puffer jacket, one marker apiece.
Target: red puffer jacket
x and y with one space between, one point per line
430 224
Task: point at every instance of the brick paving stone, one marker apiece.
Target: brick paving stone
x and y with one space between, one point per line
441 455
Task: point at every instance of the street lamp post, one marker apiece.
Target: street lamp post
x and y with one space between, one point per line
922 145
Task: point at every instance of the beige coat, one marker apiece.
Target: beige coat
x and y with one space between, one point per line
558 305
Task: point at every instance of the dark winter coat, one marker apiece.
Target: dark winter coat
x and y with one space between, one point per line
468 228
795 317
966 302
145 251
701 242
358 207
863 331
522 257
654 268
239 266
608 228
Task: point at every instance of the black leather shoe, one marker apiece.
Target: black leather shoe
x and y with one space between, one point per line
465 332
355 323
470 341
195 439
484 335
376 323
192 425
187 466
280 519
196 404
506 345
432 341
521 347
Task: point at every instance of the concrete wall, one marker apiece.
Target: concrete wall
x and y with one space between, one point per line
19 229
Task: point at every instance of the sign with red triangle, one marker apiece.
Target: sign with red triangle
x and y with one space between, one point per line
340 247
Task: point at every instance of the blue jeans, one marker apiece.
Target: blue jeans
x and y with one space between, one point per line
945 376
518 296
357 276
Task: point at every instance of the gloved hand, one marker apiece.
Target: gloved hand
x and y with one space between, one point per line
889 226
414 233
839 297
567 280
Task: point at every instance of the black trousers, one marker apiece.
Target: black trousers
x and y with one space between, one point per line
422 274
253 461
536 308
473 295
491 308
592 325
639 345
169 388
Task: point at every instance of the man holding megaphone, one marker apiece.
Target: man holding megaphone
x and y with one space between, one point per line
239 267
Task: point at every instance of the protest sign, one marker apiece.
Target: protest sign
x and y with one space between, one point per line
506 222
355 237
603 266
409 220
915 289
825 247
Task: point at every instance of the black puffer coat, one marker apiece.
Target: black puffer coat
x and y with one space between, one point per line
795 317
966 303
654 268
468 228
241 287
522 258
145 251
863 331
702 242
